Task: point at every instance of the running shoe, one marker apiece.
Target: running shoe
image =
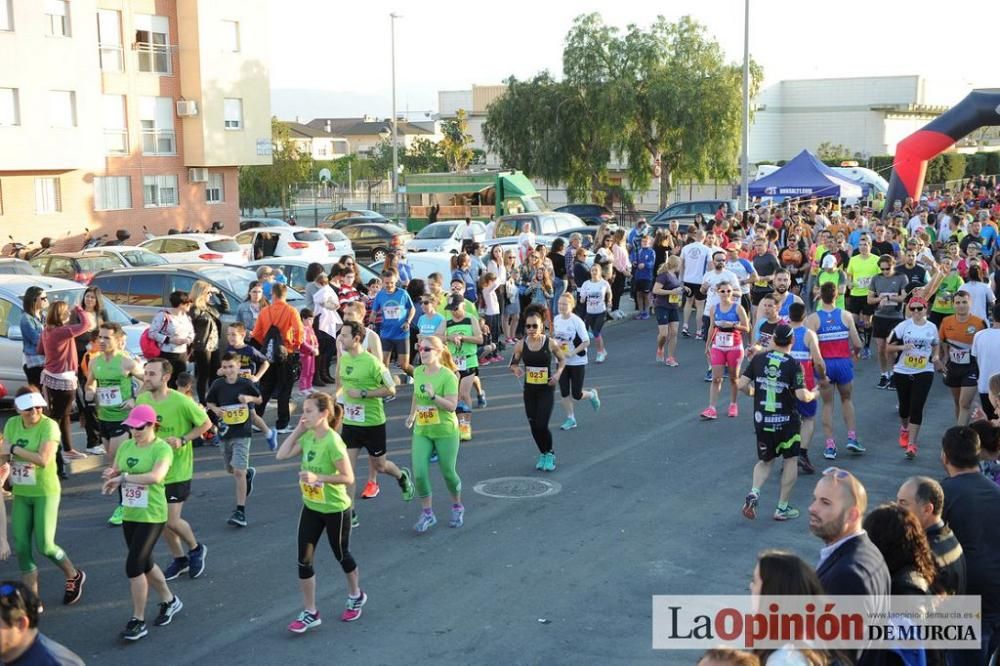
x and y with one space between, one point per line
550 462
353 610
904 438
595 400
854 446
671 362
167 611
788 513
355 521
708 375
750 506
74 588
709 414
371 490
866 354
601 356
73 454
911 452
645 315
304 622
734 410
568 424
485 360
238 518
659 356
457 516
426 521
699 336
462 407
892 383
285 430
134 630
117 516
481 400
540 465
685 332
251 473
883 382
434 457
406 483
805 465
196 558
830 452
272 440
177 566
96 450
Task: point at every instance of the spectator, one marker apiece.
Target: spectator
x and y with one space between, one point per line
728 657
22 642
172 329
278 379
924 498
249 310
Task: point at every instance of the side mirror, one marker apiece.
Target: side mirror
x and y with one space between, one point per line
134 320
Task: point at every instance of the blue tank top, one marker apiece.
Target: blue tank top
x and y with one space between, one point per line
732 315
783 310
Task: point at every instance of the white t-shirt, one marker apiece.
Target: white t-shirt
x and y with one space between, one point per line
986 349
982 298
695 257
924 338
329 319
594 295
714 279
569 332
491 229
491 305
739 269
914 225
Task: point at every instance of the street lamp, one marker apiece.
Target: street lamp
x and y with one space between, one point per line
395 124
745 158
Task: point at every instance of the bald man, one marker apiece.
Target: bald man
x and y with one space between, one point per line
924 498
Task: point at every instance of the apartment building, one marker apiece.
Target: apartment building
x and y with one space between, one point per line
120 114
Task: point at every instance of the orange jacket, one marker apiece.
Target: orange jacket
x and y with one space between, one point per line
286 318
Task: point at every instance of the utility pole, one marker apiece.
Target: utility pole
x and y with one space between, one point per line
395 124
745 157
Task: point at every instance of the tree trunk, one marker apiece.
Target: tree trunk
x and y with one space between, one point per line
666 183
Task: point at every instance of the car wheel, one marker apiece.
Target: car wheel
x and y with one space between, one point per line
379 254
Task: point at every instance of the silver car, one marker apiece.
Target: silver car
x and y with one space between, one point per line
12 288
445 236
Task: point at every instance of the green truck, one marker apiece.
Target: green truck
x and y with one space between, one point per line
475 195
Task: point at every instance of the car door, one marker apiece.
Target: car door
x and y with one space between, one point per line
245 240
11 359
146 295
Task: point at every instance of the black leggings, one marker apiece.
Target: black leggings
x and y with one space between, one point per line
572 378
538 404
60 409
617 289
912 392
206 367
141 538
338 532
178 363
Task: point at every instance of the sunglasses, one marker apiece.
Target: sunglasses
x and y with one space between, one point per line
836 472
33 408
425 349
43 297
531 327
138 428
916 308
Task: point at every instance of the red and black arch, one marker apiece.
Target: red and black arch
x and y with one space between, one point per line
981 108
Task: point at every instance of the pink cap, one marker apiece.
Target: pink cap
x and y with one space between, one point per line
139 416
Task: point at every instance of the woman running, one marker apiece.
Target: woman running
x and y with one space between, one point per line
536 351
30 442
435 429
571 334
140 466
667 294
463 335
326 505
916 341
596 295
727 323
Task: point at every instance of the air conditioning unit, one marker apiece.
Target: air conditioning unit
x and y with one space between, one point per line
187 108
198 175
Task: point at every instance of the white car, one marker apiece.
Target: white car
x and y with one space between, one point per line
423 264
445 237
185 248
264 242
337 244
128 255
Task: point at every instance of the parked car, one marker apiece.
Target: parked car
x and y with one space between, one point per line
184 248
684 211
445 236
588 233
128 255
423 264
11 266
547 223
295 270
370 215
283 242
373 240
337 244
589 213
12 288
76 266
256 222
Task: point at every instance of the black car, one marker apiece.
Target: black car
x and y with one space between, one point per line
77 266
684 211
257 222
373 240
589 213
343 222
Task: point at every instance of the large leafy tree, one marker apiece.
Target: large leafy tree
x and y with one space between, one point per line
456 143
423 156
271 185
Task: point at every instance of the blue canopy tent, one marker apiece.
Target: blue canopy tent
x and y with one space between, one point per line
806 177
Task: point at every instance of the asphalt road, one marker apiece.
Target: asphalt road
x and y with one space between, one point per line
648 503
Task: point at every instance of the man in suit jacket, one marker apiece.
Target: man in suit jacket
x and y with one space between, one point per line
849 563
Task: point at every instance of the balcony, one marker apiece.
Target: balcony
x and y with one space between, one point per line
155 58
158 142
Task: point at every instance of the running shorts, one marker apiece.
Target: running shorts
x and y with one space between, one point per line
784 442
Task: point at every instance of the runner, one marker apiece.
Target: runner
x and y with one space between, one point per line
775 380
860 270
463 335
596 295
363 381
943 288
253 366
727 324
431 322
140 470
571 334
435 429
324 478
180 421
783 298
886 293
110 386
986 352
805 350
711 280
744 272
667 293
766 265
396 310
961 373
916 341
837 338
763 329
694 261
537 350
30 440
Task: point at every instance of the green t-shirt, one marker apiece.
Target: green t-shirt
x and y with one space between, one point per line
27 478
862 271
319 457
363 372
944 297
114 387
470 308
177 415
466 356
431 420
835 277
143 504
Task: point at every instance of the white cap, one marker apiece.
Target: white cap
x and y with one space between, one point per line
829 261
28 400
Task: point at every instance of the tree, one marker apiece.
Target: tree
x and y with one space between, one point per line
423 156
828 152
270 185
455 144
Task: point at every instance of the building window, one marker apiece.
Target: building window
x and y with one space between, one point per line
113 122
152 43
47 197
9 114
62 108
6 16
214 192
233 109
109 40
159 191
231 36
112 192
156 115
57 17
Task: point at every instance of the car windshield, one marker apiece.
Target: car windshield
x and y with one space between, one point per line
310 235
74 297
223 245
97 264
437 231
137 258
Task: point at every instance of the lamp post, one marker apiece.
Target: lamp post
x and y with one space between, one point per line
745 158
395 125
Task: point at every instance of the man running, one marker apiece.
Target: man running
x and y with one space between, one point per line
783 298
961 373
775 381
396 309
860 270
805 350
886 293
837 338
181 421
694 260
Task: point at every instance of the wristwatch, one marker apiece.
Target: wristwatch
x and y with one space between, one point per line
364 393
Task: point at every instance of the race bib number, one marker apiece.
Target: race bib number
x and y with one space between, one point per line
594 301
724 339
674 298
392 312
914 361
246 373
135 496
863 283
959 356
22 474
564 346
461 363
428 416
354 413
312 491
760 283
235 414
536 376
109 396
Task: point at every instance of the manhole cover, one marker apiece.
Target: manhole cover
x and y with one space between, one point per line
516 487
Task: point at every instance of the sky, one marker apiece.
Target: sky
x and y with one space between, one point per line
333 57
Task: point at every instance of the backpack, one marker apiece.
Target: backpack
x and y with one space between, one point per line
151 348
274 349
